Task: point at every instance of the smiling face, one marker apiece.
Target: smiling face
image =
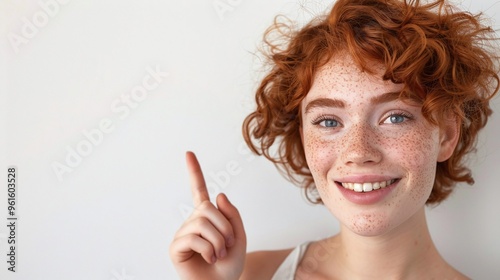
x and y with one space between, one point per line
372 156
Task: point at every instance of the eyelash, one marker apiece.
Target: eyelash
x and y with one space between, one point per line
406 115
321 118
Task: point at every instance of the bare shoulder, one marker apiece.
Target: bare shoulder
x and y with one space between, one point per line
263 264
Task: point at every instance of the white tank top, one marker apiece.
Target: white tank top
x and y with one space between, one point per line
287 269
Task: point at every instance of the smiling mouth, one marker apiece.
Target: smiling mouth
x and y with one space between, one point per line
368 186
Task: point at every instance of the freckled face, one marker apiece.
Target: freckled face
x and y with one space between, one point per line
356 131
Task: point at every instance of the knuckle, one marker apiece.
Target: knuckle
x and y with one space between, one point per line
191 238
205 206
203 248
226 229
219 241
200 222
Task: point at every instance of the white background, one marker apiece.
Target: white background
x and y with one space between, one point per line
114 215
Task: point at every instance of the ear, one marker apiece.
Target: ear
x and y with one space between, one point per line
449 135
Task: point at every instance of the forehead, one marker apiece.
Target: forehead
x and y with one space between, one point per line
341 78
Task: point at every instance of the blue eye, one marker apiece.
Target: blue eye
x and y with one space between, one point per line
326 121
329 123
397 118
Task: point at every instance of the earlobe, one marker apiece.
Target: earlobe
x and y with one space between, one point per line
449 135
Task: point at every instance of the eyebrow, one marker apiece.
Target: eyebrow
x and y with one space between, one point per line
386 97
337 103
324 102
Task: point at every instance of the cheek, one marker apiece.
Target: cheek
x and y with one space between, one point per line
417 153
415 149
320 154
419 148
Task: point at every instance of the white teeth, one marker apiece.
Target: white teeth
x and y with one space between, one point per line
358 187
367 186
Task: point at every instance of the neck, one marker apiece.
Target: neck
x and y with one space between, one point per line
406 251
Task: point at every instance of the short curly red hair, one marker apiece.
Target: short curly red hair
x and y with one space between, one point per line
444 57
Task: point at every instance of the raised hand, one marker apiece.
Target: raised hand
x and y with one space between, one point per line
211 244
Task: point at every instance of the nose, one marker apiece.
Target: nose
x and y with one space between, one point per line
361 146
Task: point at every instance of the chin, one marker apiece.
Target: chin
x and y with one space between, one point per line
368 224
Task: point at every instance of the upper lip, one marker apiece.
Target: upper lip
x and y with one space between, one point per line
365 178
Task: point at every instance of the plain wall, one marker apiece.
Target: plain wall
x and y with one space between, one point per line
73 68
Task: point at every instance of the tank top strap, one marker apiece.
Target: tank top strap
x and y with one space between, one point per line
287 269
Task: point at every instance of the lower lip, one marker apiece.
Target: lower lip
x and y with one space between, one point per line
366 198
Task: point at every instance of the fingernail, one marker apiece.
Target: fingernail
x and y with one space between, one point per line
214 259
230 241
222 253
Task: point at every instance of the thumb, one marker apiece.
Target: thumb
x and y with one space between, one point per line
233 216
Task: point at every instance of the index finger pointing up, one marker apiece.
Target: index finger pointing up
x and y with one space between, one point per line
198 186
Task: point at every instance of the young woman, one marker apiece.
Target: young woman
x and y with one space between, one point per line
373 108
